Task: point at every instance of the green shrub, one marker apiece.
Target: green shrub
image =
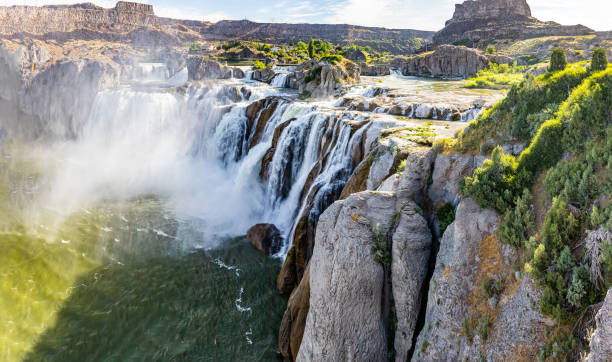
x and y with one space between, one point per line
483 328
446 216
379 246
565 262
313 74
257 65
311 49
600 60
577 293
304 95
491 49
493 185
518 222
195 47
557 60
492 287
230 45
333 58
560 228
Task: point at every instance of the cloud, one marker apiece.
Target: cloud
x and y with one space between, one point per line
406 14
592 13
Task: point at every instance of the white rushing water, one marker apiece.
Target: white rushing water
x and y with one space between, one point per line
198 152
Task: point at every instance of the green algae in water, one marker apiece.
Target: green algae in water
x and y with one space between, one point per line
119 282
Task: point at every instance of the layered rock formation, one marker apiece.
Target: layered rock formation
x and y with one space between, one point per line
200 68
450 61
321 79
137 23
476 20
334 33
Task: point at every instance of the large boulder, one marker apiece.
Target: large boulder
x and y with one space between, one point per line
200 68
449 61
264 75
449 171
375 70
265 238
323 79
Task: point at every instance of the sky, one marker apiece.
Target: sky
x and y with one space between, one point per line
402 14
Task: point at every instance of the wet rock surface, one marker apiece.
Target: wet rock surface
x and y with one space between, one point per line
265 238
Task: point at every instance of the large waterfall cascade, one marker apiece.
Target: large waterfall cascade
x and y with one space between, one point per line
147 202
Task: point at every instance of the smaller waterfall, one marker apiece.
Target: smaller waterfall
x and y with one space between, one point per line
151 72
279 81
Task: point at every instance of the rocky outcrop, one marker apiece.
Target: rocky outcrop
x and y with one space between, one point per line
322 79
600 346
482 20
57 93
200 68
349 233
469 253
348 317
265 238
449 171
450 61
264 75
375 70
294 320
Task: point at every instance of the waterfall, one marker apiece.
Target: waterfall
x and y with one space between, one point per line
151 72
279 81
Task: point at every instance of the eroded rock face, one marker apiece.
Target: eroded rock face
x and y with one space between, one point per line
322 79
450 61
265 75
376 70
449 171
265 238
499 19
200 68
469 253
347 313
601 340
294 320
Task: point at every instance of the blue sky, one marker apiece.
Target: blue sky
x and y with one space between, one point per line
414 14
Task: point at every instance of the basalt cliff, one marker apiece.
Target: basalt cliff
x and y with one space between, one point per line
476 20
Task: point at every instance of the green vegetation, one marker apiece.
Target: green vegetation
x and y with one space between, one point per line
518 222
195 47
497 76
492 287
316 72
569 110
557 60
258 65
446 216
600 60
304 95
483 327
379 246
491 49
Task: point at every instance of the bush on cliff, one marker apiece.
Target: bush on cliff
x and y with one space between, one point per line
491 49
257 65
557 60
600 60
493 185
518 223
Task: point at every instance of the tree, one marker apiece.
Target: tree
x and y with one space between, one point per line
557 60
491 49
311 49
518 222
599 60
